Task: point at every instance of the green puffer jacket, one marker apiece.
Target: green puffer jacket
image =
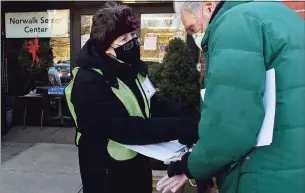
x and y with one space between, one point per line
243 41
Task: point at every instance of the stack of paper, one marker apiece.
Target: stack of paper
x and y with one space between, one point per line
160 151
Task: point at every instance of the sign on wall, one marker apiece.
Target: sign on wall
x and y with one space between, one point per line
51 23
150 41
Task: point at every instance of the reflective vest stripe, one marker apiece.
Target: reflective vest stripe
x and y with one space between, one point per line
147 106
68 91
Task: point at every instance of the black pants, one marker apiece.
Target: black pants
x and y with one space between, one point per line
102 174
132 176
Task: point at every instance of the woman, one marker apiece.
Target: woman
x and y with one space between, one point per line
112 100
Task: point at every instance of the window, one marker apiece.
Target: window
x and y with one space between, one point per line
43 40
86 23
156 32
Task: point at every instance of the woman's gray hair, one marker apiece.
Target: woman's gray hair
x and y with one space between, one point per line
191 6
105 18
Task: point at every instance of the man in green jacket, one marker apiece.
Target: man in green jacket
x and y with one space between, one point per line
240 42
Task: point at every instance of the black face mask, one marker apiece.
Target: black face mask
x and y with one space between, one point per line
129 52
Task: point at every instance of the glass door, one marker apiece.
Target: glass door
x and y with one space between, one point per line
86 23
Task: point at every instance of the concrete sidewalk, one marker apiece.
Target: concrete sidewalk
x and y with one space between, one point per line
43 160
48 168
36 160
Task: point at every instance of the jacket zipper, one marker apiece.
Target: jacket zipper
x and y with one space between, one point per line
206 68
106 178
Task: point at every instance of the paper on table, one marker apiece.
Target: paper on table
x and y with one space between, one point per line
160 151
265 135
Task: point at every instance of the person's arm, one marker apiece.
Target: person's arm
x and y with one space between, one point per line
164 107
96 111
233 110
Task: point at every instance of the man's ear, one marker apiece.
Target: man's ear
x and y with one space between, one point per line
209 6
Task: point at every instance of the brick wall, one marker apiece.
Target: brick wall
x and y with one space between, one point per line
297 6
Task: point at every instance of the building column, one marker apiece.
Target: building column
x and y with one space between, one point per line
75 36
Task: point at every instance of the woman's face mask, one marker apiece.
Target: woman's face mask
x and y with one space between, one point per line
128 49
129 52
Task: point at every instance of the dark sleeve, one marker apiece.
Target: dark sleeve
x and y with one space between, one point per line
164 107
99 114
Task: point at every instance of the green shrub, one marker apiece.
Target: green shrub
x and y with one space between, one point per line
177 77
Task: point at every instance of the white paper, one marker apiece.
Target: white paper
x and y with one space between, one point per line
265 135
160 151
150 41
148 88
202 93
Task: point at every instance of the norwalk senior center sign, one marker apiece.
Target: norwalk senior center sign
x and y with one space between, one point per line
51 23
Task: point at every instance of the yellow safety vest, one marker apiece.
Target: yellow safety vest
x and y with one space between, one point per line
126 96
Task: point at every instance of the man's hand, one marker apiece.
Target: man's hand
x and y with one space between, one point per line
174 184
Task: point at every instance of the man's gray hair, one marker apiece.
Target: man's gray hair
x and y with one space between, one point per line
191 6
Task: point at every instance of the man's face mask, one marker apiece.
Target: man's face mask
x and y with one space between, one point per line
198 39
129 52
204 17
